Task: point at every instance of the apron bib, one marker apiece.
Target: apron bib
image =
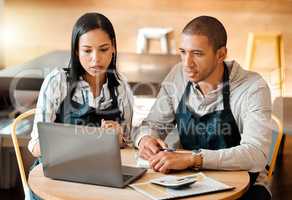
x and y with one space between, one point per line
215 130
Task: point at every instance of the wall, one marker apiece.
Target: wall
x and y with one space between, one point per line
35 27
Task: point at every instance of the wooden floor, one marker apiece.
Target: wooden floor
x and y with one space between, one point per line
281 185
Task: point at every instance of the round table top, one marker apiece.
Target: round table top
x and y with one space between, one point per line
47 188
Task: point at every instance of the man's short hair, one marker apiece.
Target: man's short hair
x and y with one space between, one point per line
210 27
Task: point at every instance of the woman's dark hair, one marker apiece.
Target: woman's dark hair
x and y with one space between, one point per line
84 24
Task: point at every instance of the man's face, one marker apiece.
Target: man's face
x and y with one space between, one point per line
198 57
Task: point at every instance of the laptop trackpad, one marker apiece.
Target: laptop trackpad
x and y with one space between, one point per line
131 173
132 170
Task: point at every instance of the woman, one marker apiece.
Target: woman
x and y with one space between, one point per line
90 91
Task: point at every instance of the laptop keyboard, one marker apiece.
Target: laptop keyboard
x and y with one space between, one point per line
126 177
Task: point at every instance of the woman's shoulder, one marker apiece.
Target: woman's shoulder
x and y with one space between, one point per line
124 87
55 78
57 74
122 81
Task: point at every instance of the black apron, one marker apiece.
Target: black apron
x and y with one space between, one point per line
215 130
71 112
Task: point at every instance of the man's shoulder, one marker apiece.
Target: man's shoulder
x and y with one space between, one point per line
248 78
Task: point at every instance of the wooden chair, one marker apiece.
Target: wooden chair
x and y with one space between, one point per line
276 142
257 45
24 115
282 107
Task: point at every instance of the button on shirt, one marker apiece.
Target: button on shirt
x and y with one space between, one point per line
250 103
54 90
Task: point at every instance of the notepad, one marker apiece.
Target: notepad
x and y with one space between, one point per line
203 185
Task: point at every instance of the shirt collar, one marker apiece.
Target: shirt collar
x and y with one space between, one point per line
84 84
232 68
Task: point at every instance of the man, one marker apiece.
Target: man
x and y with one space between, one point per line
220 111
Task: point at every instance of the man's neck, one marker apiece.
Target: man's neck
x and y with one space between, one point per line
212 81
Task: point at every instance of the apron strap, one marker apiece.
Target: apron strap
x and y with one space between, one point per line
226 88
187 90
185 95
113 96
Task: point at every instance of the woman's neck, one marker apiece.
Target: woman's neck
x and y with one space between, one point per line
95 82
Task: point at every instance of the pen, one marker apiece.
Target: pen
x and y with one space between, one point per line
168 149
187 177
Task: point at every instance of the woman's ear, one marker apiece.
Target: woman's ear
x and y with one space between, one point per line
113 53
114 45
114 50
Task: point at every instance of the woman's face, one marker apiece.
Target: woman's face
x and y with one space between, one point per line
95 51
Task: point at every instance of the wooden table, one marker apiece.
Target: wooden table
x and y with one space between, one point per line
48 188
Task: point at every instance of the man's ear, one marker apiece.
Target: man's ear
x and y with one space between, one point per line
221 54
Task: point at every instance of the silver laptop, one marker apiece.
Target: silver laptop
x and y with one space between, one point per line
84 154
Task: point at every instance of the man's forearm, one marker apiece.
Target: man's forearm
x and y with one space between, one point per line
145 131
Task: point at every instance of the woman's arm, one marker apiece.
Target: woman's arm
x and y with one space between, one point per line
50 96
36 151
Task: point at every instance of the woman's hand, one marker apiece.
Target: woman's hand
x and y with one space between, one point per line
115 125
36 151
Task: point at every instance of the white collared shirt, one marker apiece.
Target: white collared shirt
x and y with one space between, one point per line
54 90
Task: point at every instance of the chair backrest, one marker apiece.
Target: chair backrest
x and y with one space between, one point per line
24 115
265 54
282 107
276 142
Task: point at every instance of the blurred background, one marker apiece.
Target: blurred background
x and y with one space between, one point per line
36 34
32 28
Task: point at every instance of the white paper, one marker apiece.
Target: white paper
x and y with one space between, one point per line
141 108
202 186
143 163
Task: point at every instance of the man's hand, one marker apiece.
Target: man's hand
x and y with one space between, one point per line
149 146
165 161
